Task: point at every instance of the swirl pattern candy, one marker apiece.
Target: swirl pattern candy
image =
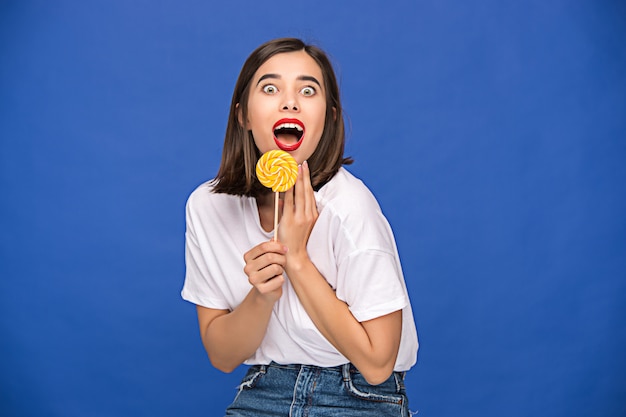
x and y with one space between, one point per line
277 170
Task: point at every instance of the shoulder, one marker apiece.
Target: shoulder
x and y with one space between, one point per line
204 195
347 195
354 216
204 204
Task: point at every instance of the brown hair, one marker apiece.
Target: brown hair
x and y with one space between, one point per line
236 174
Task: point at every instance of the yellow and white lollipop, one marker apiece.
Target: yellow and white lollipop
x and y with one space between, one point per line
277 170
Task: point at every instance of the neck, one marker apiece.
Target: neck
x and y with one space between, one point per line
265 205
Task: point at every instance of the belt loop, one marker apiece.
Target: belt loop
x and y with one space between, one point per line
263 369
345 371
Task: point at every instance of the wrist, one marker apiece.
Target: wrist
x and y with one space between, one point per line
296 263
265 301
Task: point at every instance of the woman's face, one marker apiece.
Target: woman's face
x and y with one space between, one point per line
287 105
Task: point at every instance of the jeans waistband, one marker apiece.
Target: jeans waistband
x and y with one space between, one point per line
346 369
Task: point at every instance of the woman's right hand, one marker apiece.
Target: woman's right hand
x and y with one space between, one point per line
231 337
264 267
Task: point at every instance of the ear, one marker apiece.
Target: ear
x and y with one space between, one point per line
239 116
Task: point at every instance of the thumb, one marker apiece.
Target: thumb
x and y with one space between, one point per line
288 202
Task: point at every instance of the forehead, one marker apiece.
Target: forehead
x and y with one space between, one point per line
290 65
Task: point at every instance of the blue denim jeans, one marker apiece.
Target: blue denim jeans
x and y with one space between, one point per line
312 391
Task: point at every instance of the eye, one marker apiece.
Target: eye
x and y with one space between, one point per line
308 91
270 89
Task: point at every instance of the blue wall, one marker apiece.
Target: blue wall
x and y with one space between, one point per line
492 132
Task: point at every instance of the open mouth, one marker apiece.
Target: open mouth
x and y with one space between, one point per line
288 134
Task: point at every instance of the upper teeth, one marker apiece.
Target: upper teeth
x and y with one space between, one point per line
289 126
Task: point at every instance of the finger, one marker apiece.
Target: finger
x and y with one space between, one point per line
265 268
263 248
266 274
271 285
266 260
253 253
300 191
273 258
288 207
310 206
288 201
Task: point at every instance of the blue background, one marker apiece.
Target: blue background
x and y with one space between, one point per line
492 132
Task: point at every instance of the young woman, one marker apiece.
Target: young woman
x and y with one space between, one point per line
322 314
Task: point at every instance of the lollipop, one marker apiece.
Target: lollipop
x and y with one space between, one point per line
277 170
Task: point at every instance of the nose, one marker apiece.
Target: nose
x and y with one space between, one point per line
290 104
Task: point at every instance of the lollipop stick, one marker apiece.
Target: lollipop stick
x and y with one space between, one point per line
276 217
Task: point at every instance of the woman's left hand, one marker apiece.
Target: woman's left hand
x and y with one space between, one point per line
372 346
299 215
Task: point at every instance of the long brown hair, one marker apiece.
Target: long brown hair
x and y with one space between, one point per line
236 174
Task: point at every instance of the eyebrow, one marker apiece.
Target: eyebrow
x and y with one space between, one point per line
300 78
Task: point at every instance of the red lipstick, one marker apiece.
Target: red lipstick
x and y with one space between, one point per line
290 126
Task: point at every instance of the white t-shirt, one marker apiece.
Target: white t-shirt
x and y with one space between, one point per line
351 245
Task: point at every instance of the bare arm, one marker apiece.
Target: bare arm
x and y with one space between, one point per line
232 337
372 346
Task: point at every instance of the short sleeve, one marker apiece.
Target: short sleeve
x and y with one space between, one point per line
199 287
371 283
